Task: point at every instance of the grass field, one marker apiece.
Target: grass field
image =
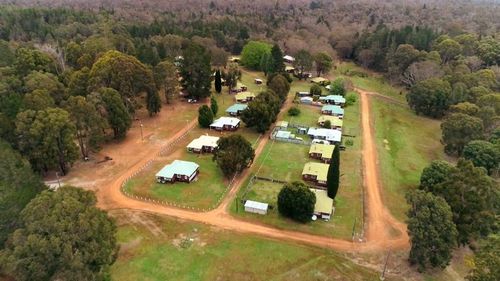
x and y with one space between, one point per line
308 115
285 161
406 143
154 248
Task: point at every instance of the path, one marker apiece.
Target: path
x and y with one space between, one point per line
381 226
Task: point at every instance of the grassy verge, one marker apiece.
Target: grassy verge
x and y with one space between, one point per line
406 143
154 248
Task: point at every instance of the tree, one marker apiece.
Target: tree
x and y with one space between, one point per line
486 261
280 85
233 155
63 236
277 62
293 111
296 201
38 100
338 88
333 176
18 185
213 106
252 53
218 81
420 71
165 75
46 138
196 72
434 174
449 49
205 116
483 154
303 62
90 125
153 102
489 50
431 229
119 118
465 108
459 129
315 90
232 76
430 97
45 81
262 111
323 63
28 60
79 82
265 63
473 198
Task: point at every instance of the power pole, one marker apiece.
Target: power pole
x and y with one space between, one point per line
382 277
353 228
142 135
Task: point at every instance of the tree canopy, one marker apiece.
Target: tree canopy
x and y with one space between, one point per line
233 155
196 72
253 52
296 201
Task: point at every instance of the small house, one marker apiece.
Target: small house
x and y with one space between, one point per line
324 204
316 173
183 171
244 97
320 81
236 109
256 207
226 124
322 152
203 144
306 100
258 81
289 59
335 121
303 94
282 124
240 87
333 99
289 69
330 135
284 135
334 110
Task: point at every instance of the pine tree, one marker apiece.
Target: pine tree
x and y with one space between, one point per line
218 82
213 106
333 177
153 102
277 63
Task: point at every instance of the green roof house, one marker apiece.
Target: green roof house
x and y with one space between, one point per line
236 109
333 99
334 110
321 152
316 173
178 170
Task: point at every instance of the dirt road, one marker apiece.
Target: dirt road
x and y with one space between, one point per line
383 231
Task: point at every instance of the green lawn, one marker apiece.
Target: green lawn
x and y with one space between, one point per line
308 115
154 248
202 193
406 143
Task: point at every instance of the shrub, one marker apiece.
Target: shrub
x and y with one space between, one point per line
296 201
315 90
350 99
294 111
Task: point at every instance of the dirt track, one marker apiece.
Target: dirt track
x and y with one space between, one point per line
382 230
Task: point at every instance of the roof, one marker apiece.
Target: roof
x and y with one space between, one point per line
256 205
258 79
283 124
333 108
335 98
318 79
283 134
287 68
326 150
290 58
178 167
327 134
236 108
202 141
244 95
324 204
320 170
219 123
306 99
334 120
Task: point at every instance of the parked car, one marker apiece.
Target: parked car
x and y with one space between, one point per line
192 100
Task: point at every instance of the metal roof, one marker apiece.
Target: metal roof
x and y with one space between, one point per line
333 108
326 150
244 95
256 205
219 123
324 204
178 167
236 107
283 134
335 98
202 141
327 134
334 120
320 170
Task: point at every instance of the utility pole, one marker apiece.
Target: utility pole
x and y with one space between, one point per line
58 181
353 228
385 266
142 136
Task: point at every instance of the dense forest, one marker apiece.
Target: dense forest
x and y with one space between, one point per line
74 74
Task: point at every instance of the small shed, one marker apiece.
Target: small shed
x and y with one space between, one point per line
256 207
283 135
306 100
258 81
282 124
303 94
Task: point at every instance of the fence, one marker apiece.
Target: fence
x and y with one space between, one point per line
296 141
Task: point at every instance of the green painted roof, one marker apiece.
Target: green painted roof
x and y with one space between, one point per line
333 108
324 204
334 120
236 107
178 167
326 150
318 169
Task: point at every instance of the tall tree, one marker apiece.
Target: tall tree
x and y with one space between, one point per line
280 85
232 76
196 72
324 63
153 102
63 236
277 62
213 106
430 97
449 49
458 129
233 155
483 154
45 81
38 100
437 172
303 62
333 176
218 81
165 74
119 118
46 138
79 82
338 88
262 111
296 201
431 229
252 53
486 261
18 185
205 116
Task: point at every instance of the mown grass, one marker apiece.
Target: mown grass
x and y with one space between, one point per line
406 143
191 251
308 116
